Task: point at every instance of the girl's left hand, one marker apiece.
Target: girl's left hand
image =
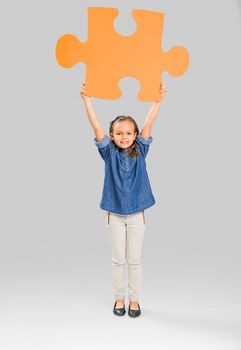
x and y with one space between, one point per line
163 92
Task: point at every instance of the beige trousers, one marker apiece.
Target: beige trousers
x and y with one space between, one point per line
126 233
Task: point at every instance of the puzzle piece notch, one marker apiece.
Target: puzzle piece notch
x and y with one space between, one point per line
143 58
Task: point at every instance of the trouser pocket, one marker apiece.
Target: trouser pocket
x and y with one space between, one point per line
107 219
143 217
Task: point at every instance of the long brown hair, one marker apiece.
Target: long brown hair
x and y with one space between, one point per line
133 150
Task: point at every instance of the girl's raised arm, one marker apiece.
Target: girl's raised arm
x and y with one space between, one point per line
99 134
147 127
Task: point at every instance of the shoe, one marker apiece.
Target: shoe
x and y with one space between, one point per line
134 313
120 311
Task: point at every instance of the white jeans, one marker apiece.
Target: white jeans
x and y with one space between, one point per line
126 234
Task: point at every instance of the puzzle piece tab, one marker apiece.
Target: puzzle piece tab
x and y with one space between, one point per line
110 56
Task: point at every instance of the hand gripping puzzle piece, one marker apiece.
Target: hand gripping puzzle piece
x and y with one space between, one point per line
110 56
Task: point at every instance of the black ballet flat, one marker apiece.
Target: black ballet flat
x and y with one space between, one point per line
119 311
134 313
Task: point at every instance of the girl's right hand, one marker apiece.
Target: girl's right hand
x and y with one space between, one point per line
83 92
162 92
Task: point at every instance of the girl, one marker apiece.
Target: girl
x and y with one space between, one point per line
126 194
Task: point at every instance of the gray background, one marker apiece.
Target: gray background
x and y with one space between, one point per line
55 257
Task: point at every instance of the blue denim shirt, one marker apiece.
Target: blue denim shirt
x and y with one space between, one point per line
127 188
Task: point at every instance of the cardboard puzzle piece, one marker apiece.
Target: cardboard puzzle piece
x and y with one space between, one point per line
110 56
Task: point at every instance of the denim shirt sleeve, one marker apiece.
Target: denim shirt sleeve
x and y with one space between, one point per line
103 146
144 144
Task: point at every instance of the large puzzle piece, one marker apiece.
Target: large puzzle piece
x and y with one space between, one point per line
110 56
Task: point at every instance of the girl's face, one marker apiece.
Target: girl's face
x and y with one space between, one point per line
123 134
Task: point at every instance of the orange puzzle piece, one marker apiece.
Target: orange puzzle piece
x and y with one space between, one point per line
110 56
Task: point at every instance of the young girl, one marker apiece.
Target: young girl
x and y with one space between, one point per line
126 194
